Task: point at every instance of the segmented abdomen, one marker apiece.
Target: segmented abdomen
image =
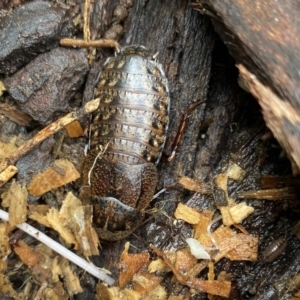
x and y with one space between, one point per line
133 114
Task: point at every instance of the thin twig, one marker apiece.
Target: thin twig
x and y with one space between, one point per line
86 21
101 43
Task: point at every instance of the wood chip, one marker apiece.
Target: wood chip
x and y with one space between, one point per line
78 219
184 260
144 282
4 241
193 185
50 178
14 114
27 255
158 265
200 228
130 264
8 148
70 278
81 225
235 172
57 224
235 246
235 214
214 287
74 129
2 87
159 293
114 293
7 174
18 203
187 214
68 204
221 181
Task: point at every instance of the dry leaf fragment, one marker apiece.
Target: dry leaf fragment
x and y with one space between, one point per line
130 264
226 215
50 178
55 293
240 212
188 214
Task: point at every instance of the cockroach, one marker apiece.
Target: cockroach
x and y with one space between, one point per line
276 248
131 125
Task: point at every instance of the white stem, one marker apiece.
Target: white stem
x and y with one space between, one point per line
215 220
82 263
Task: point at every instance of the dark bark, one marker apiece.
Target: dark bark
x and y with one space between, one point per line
263 38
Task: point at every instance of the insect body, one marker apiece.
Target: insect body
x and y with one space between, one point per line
274 250
131 124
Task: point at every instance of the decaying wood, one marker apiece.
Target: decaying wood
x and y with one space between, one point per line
262 37
15 115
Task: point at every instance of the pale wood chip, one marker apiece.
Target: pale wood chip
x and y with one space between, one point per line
187 214
51 178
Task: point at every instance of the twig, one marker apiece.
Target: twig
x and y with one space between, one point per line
8 173
48 131
101 43
86 21
82 263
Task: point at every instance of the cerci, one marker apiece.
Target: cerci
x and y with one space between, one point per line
127 136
